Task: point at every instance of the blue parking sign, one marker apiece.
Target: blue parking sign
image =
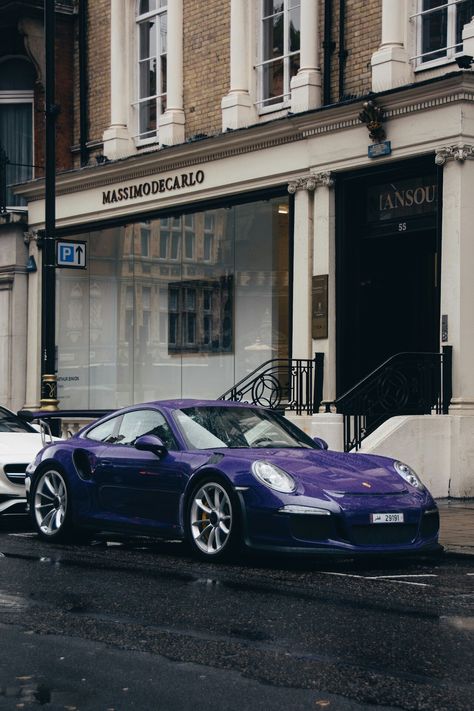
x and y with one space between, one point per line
71 254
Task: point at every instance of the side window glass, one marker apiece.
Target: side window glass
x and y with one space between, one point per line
105 432
140 422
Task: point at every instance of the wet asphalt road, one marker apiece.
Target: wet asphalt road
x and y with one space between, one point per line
135 624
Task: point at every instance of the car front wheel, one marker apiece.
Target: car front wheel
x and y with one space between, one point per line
51 509
213 520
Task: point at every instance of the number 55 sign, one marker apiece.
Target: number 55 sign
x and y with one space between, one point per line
71 254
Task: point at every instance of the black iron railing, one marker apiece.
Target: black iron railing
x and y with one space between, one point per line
405 384
281 383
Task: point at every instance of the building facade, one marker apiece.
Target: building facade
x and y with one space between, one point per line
263 179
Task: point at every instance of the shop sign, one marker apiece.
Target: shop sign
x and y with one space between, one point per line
71 254
402 198
152 187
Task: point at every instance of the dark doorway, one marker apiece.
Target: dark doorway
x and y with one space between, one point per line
388 256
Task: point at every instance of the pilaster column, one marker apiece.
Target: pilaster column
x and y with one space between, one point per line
303 190
324 262
171 131
117 140
457 284
238 109
390 63
306 85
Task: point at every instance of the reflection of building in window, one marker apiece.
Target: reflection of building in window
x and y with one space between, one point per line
439 29
208 237
145 314
170 238
189 237
75 321
200 316
96 319
279 50
129 306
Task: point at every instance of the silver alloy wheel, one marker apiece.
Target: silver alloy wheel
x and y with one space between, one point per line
211 518
50 502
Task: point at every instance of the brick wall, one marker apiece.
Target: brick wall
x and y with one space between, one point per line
206 50
363 27
64 91
98 80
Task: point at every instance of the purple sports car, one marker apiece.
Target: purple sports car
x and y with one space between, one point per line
222 475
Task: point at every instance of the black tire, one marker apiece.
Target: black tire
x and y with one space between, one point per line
51 506
213 520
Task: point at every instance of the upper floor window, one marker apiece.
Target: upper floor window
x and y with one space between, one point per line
17 80
279 55
439 29
152 35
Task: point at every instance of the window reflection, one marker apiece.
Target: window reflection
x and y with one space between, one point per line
174 306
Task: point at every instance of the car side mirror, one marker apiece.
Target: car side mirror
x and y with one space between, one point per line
150 443
322 444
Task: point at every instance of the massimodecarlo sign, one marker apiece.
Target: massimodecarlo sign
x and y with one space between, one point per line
152 187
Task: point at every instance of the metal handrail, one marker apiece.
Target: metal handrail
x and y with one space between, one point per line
282 383
407 383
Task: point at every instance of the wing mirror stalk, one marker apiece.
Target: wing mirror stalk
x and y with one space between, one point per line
150 443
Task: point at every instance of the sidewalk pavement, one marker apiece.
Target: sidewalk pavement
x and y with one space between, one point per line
457 525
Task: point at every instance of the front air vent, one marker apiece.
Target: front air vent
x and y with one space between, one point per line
384 534
82 462
15 473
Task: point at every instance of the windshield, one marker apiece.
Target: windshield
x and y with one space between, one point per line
241 427
11 423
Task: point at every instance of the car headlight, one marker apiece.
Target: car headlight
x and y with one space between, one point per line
273 477
409 475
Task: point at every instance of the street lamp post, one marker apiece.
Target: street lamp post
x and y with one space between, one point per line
49 400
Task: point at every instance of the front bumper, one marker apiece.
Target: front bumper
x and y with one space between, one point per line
348 531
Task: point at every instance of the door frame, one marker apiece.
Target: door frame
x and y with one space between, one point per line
386 172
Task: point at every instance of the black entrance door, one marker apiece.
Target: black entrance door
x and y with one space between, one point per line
387 268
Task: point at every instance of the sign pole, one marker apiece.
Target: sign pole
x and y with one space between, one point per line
49 385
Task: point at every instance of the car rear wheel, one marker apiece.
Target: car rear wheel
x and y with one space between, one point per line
213 527
51 509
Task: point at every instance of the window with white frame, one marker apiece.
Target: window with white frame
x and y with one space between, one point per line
152 37
17 80
279 51
439 25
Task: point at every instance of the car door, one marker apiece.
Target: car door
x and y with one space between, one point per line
136 487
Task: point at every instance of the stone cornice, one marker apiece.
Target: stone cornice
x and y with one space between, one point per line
455 88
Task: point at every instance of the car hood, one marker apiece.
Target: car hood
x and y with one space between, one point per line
22 445
333 473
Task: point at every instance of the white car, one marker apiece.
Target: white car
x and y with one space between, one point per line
19 444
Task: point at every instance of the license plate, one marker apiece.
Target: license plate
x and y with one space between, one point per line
386 518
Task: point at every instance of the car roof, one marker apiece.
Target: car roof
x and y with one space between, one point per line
179 404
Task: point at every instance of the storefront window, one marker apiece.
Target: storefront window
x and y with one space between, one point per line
174 307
